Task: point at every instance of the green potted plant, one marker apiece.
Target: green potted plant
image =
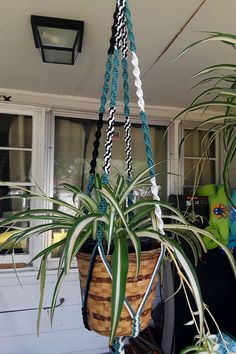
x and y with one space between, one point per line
123 226
218 96
109 215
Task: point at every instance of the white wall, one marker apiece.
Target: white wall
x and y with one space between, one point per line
18 329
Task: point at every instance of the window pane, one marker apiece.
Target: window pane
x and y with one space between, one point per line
74 145
7 208
15 131
15 147
10 206
197 143
193 168
15 165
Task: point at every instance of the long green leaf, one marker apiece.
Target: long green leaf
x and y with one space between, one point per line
80 242
56 292
42 275
88 202
188 269
146 203
111 227
212 68
31 231
48 250
111 199
220 244
214 36
119 277
75 232
119 185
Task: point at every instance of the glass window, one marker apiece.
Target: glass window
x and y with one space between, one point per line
73 151
199 159
15 166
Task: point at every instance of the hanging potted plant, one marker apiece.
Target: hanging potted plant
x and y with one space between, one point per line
118 224
218 97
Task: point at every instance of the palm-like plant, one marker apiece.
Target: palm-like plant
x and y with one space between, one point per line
220 95
121 224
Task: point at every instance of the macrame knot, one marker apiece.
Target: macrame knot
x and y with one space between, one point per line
136 326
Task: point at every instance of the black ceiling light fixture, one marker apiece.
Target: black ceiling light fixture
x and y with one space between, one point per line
58 40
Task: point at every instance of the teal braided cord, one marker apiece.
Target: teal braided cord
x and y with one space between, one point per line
90 184
105 178
130 197
102 210
126 87
106 84
147 141
130 28
115 76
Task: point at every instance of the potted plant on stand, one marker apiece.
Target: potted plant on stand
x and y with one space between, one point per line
118 223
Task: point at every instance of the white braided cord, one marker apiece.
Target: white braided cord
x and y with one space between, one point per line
141 104
138 82
158 212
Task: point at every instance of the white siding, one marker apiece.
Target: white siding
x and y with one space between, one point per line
18 329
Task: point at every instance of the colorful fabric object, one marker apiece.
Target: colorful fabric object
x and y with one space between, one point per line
218 214
228 342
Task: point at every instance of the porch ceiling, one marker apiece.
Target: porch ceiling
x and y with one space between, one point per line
156 23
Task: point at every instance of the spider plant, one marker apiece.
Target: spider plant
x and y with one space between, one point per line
122 224
219 94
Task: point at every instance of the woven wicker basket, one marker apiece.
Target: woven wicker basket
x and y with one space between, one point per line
99 299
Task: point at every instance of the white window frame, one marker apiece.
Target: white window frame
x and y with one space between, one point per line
186 125
37 161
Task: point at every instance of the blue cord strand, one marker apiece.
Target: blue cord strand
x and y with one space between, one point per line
148 145
106 84
130 28
90 184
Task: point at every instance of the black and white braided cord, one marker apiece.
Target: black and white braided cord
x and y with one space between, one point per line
111 120
108 144
127 125
120 23
128 148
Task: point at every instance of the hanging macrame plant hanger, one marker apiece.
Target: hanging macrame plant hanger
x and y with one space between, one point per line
122 41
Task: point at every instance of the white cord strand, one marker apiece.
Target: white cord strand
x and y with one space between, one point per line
158 212
138 82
